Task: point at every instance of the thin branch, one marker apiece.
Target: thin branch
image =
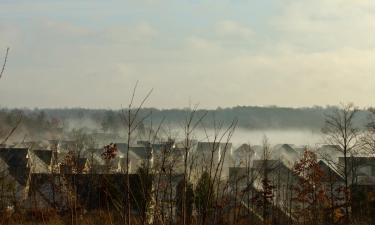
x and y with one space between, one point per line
12 130
5 62
133 94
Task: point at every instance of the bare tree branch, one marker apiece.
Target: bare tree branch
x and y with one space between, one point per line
5 62
12 130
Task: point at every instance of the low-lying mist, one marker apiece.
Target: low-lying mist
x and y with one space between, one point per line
300 137
299 126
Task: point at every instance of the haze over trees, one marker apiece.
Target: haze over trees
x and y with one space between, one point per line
249 117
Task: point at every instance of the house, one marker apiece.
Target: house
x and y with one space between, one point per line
95 161
16 162
47 190
281 179
243 155
88 191
239 211
361 174
240 178
333 183
143 151
359 168
329 153
249 208
66 145
217 152
285 153
177 157
40 161
15 173
330 171
135 161
162 147
138 154
169 156
76 166
167 187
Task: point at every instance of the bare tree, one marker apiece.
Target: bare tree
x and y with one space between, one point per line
368 138
219 145
132 122
19 120
191 123
341 131
266 193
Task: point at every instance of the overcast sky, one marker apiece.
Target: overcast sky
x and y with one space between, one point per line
213 52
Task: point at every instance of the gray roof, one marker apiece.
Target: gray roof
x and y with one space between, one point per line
122 147
207 146
329 169
44 155
81 162
271 164
359 160
285 149
141 151
14 157
246 148
94 154
329 152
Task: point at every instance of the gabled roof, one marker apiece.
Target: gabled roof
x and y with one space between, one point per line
285 149
329 152
365 180
81 162
44 155
329 149
282 214
53 141
300 149
179 145
14 157
286 153
160 147
330 169
66 144
132 157
29 144
95 155
258 151
141 151
359 160
122 147
91 189
207 146
144 143
271 164
20 174
244 149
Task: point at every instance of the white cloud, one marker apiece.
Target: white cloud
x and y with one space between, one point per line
316 53
233 29
327 24
64 28
139 32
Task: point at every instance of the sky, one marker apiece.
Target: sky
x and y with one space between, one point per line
215 53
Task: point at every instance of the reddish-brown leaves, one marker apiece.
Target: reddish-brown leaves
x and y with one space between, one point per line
110 151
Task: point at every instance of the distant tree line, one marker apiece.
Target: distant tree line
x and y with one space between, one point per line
249 117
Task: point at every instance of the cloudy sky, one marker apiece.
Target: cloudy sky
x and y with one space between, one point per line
90 53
